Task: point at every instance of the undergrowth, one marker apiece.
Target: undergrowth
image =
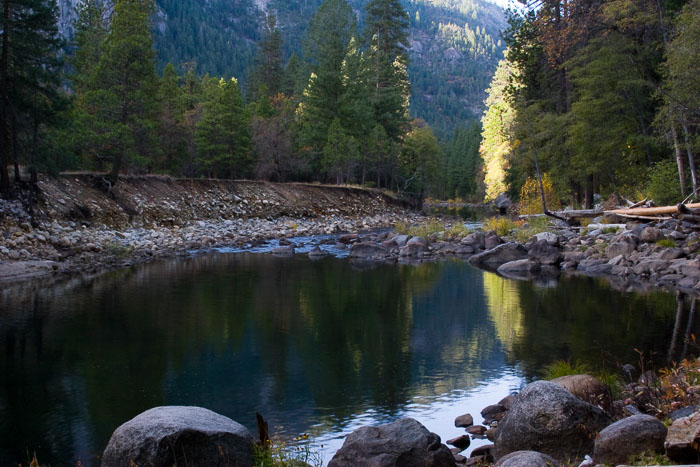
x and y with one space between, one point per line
666 243
565 368
278 454
432 227
535 225
501 225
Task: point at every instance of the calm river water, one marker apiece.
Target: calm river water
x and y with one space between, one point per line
317 347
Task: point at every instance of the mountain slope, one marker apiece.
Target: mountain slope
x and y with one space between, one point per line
454 51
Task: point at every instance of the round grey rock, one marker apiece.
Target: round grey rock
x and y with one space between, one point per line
526 459
174 435
628 437
547 418
404 442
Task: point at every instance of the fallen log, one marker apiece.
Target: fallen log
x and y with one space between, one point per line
656 211
605 226
645 218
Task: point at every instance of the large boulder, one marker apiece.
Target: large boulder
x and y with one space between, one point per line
526 459
475 240
623 245
587 388
629 437
503 203
683 439
504 253
651 235
404 442
516 269
547 418
171 435
544 252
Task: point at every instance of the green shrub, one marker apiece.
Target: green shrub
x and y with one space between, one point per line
501 225
277 454
565 368
535 225
666 243
663 185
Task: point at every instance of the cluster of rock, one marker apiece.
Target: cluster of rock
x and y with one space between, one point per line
633 256
546 424
563 422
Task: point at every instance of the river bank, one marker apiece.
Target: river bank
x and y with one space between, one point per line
67 225
70 226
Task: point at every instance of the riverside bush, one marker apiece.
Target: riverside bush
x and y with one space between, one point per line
663 185
501 225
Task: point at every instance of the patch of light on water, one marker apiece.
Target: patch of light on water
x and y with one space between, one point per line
436 413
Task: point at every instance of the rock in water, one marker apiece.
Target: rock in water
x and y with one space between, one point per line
629 437
404 442
464 421
504 253
172 435
367 250
547 418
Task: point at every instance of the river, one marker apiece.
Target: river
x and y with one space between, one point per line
317 347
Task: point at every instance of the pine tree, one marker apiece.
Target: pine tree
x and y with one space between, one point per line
326 44
122 103
385 36
91 28
222 135
267 66
171 136
28 74
339 153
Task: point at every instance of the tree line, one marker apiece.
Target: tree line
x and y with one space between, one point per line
599 98
338 112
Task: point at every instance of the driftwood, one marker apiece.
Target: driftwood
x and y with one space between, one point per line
656 211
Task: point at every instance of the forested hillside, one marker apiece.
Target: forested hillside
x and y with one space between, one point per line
454 45
597 98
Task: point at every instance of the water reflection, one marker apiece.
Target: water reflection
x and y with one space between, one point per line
315 346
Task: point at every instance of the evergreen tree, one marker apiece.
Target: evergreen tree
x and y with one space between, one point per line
173 144
329 33
293 80
222 135
267 65
464 163
122 104
91 28
339 153
28 75
355 110
387 41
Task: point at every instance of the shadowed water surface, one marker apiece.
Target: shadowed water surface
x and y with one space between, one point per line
318 347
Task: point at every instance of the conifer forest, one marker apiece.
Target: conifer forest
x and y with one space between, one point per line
442 98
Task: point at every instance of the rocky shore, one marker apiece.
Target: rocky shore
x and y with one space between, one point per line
569 421
632 256
70 226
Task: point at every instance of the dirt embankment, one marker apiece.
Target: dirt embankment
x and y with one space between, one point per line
152 201
73 224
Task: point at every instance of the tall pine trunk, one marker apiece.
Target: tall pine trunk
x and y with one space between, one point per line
689 151
679 157
5 102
